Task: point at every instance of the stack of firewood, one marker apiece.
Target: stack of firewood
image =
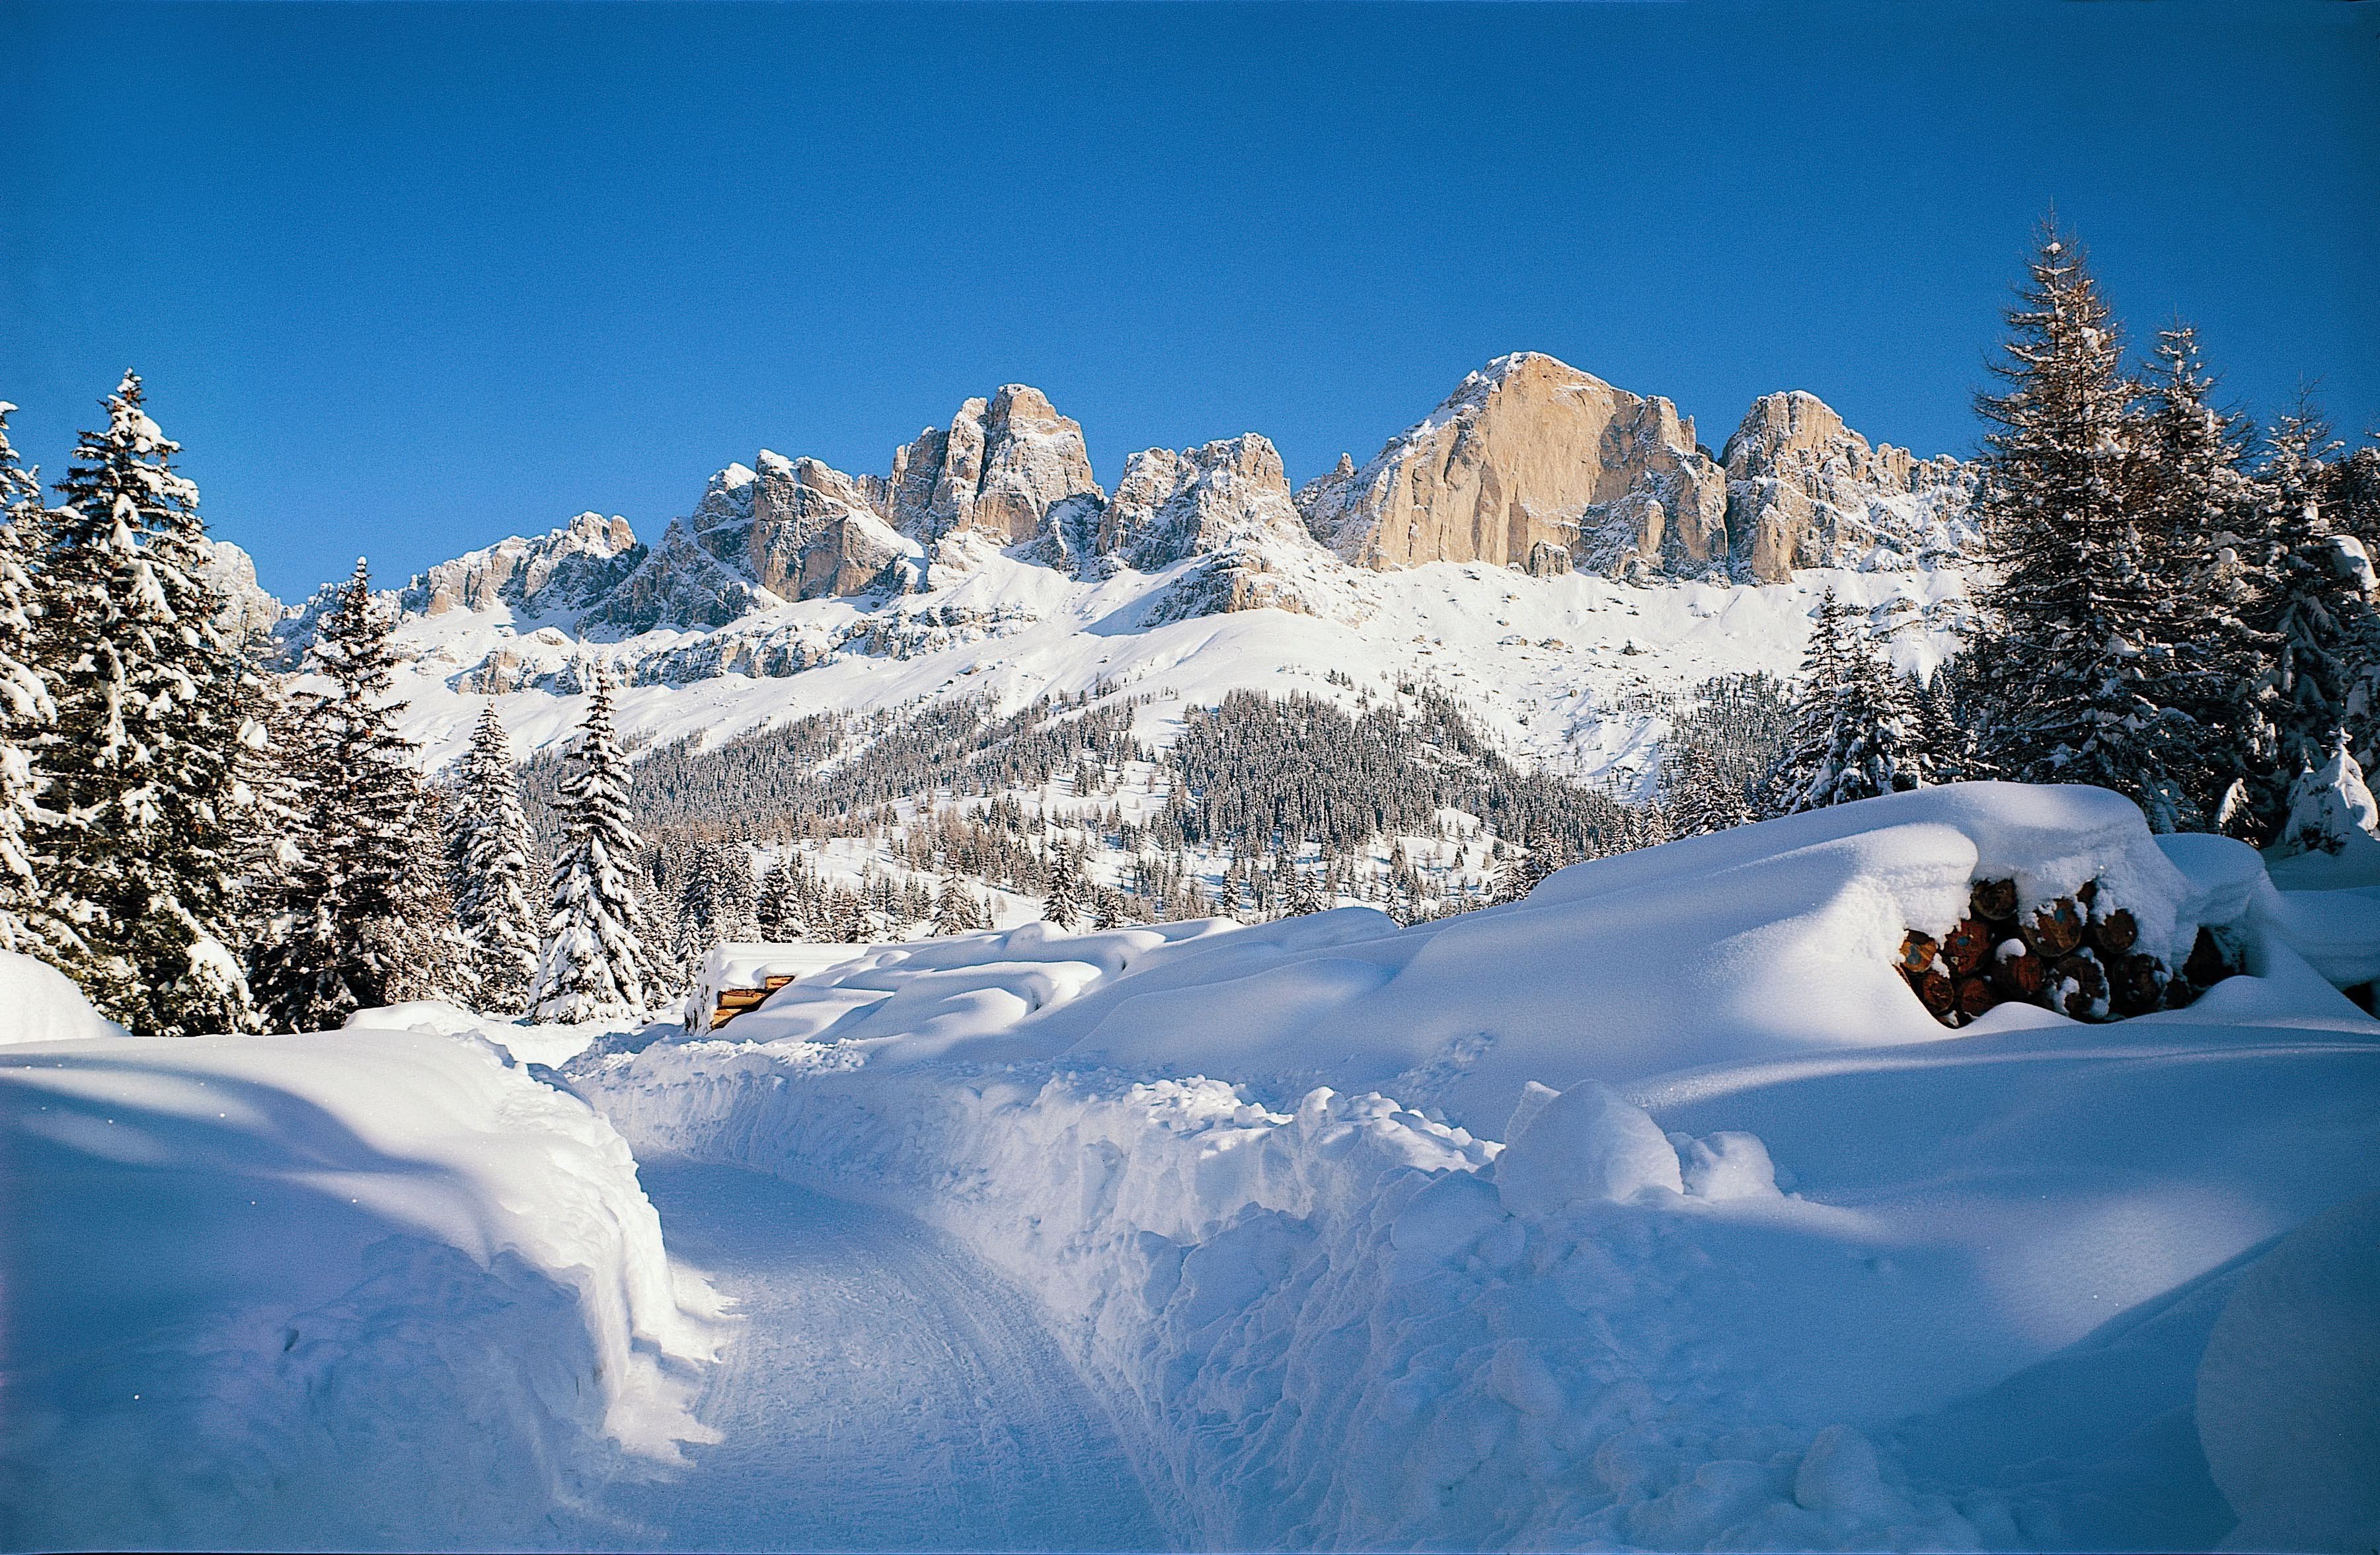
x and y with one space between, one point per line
2075 955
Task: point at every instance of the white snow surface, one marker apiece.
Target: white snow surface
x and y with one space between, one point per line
366 1289
1650 1211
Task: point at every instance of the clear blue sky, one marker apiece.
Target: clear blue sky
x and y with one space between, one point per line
406 279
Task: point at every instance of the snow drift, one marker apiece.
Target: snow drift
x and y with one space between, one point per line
364 1289
1653 1210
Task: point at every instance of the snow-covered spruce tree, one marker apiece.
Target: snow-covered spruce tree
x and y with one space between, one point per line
954 913
2204 660
1699 795
1064 901
28 922
365 916
595 965
2330 804
2062 651
1306 893
491 867
2314 605
140 851
1854 732
780 920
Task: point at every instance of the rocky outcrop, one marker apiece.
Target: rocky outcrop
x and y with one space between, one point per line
561 571
1806 491
791 529
993 472
1530 456
1199 502
247 610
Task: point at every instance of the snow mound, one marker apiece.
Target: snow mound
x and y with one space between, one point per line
38 1004
2288 1393
361 1289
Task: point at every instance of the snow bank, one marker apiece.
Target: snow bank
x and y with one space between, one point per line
1765 1243
38 1004
355 1289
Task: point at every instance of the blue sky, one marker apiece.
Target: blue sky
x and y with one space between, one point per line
407 279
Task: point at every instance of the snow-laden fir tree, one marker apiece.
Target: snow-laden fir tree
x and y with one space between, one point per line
780 919
595 965
365 916
1305 895
2204 656
492 866
954 911
143 851
2314 608
2062 651
1065 899
28 922
2330 804
1700 796
1854 731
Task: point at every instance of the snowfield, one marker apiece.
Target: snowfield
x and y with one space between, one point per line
1650 1211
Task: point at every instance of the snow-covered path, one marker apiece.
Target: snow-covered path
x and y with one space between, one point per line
881 1390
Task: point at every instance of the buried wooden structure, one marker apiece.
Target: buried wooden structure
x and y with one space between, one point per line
2075 955
734 1002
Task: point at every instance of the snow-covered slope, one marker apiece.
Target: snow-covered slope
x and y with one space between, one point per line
366 1289
1651 1210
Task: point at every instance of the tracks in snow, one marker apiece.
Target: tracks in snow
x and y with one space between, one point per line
882 1390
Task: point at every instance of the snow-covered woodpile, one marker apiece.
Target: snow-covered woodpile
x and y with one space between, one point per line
2076 954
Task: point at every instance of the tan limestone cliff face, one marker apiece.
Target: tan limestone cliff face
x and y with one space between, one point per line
1806 491
1518 458
811 532
994 471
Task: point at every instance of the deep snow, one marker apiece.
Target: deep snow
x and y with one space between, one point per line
364 1289
1649 1211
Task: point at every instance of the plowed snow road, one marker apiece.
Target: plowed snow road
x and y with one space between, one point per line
882 1390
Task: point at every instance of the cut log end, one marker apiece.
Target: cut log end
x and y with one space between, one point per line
1994 901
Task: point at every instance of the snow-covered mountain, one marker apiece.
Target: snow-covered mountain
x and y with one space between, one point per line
1552 549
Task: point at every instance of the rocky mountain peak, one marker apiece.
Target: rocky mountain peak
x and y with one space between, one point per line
1804 490
993 472
1530 462
563 570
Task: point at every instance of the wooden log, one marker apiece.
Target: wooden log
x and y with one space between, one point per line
1975 996
2139 985
741 998
2089 893
2083 986
776 980
2208 963
1967 947
2023 976
2054 929
1917 952
1994 901
1937 992
2116 933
